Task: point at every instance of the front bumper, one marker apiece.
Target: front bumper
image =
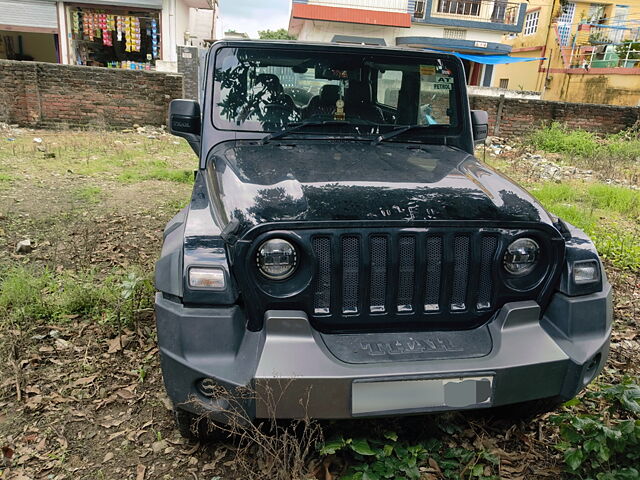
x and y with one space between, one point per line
293 370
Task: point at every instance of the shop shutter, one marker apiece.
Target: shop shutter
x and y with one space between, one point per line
29 13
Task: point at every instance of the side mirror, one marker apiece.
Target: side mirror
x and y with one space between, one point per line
184 121
480 125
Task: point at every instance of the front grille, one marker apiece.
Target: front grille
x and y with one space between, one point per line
445 277
432 274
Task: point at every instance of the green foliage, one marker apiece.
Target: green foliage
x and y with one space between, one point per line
557 138
628 50
89 194
604 446
280 34
608 214
388 457
28 295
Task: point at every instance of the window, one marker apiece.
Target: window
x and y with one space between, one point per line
264 90
531 22
459 7
389 82
504 83
418 9
455 33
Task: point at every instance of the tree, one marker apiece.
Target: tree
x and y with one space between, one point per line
280 34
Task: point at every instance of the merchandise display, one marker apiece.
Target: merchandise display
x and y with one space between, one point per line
115 39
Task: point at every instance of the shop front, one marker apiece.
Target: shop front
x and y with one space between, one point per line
114 37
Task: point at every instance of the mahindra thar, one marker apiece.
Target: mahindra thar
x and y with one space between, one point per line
344 254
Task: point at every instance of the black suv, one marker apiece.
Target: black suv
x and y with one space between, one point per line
345 253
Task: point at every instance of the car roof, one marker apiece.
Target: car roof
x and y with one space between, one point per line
296 44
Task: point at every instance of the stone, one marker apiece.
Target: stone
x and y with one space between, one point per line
24 246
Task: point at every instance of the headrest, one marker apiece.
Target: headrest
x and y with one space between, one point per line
329 94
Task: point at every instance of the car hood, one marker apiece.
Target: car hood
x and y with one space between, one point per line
333 181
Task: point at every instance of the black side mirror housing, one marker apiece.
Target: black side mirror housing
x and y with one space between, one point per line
480 125
185 121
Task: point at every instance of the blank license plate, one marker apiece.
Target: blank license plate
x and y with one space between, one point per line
399 395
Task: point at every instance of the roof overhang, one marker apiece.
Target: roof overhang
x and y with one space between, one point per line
485 48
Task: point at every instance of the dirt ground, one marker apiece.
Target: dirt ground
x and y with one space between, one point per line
83 399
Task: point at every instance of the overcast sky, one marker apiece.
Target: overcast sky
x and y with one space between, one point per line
249 16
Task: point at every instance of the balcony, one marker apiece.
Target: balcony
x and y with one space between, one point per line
477 10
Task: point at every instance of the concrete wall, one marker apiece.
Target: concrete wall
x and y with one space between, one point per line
520 117
47 95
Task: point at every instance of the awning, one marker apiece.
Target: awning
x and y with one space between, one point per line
490 59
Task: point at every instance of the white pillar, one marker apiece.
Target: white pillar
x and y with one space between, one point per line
64 34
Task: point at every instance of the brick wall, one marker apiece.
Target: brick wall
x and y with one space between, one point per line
519 117
46 95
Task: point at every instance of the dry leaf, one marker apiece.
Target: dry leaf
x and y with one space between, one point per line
140 471
107 457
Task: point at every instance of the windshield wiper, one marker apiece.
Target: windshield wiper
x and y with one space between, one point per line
295 126
398 131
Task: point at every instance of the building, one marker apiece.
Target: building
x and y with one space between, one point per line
472 28
592 52
135 34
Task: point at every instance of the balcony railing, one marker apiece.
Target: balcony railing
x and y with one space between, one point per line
603 57
493 11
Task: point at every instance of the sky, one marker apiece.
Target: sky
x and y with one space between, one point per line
249 16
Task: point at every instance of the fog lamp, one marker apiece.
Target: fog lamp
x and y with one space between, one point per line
521 256
276 259
209 278
587 271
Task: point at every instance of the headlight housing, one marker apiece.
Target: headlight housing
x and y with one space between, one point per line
277 259
586 271
209 278
521 256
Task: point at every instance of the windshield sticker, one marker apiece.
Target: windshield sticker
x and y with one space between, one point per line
427 69
439 82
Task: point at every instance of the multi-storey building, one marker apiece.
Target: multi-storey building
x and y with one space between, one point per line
472 27
591 50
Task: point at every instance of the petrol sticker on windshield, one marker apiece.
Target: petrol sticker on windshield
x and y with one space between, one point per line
427 69
439 82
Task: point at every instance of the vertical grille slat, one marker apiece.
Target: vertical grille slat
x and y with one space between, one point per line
433 274
322 294
406 273
378 280
350 274
487 250
460 273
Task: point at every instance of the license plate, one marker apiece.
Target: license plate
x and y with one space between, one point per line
420 394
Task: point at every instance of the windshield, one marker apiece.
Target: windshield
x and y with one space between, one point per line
267 90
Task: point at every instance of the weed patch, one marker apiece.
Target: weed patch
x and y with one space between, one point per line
605 446
89 194
557 138
27 295
608 214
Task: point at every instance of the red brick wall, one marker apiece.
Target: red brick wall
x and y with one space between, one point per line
45 95
519 117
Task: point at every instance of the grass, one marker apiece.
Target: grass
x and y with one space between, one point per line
28 294
123 157
89 194
609 214
557 138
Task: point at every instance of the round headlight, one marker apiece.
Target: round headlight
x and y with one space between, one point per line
277 259
521 256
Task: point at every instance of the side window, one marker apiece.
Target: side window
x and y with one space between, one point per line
389 82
